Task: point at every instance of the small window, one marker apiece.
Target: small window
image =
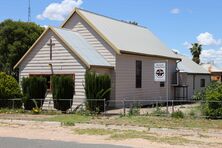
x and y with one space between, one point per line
138 74
162 84
202 82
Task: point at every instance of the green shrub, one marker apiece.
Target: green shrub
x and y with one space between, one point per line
34 90
159 112
97 88
198 95
177 114
62 91
212 105
134 111
9 89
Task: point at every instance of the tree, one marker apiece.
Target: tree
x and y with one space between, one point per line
34 88
62 92
97 88
211 96
196 51
16 38
9 89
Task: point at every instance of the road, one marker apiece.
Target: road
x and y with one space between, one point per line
27 143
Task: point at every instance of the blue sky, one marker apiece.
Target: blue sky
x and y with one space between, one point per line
176 22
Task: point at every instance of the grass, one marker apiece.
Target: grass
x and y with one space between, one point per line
70 120
162 122
22 111
144 121
130 134
94 131
11 111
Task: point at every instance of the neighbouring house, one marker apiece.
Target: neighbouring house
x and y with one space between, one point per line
140 65
192 78
215 72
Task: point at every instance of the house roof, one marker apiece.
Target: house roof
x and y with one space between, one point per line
78 45
125 37
211 67
189 66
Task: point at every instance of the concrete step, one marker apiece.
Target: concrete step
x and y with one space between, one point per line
48 103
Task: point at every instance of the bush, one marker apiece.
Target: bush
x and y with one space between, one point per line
198 95
9 89
34 88
159 112
134 111
178 114
212 107
62 91
97 88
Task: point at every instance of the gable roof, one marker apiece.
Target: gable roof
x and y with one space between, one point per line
189 66
81 48
211 67
125 37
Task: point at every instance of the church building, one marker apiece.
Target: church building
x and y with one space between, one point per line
140 65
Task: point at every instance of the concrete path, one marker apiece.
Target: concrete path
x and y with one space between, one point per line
26 143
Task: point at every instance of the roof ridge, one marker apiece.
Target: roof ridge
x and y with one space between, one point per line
62 28
108 17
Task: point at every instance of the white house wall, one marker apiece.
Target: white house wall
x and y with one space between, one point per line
193 82
77 24
63 62
198 79
126 82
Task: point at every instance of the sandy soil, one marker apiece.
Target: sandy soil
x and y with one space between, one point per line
184 108
54 131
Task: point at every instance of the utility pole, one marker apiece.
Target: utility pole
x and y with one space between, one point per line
29 11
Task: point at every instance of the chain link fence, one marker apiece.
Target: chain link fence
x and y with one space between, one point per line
125 107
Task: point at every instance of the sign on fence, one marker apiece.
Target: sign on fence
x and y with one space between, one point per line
160 72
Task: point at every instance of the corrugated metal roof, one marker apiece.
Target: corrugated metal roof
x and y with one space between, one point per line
82 47
189 66
211 67
127 37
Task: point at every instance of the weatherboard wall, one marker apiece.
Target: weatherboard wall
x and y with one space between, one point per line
77 24
63 62
193 82
126 78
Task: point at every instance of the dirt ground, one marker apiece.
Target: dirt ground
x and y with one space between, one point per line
55 131
184 108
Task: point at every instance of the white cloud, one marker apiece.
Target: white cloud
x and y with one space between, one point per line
187 45
45 26
207 39
59 11
212 55
175 11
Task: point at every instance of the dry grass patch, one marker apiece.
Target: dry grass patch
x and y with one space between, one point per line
131 134
161 122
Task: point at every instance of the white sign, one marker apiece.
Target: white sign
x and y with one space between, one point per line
160 72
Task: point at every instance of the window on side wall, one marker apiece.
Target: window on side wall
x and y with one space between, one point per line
138 74
202 82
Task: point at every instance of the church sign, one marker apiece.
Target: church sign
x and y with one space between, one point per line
160 72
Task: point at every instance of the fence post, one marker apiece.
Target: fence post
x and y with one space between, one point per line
104 106
124 108
156 105
172 107
70 105
167 108
13 105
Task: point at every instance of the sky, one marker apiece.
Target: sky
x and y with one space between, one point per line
177 23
